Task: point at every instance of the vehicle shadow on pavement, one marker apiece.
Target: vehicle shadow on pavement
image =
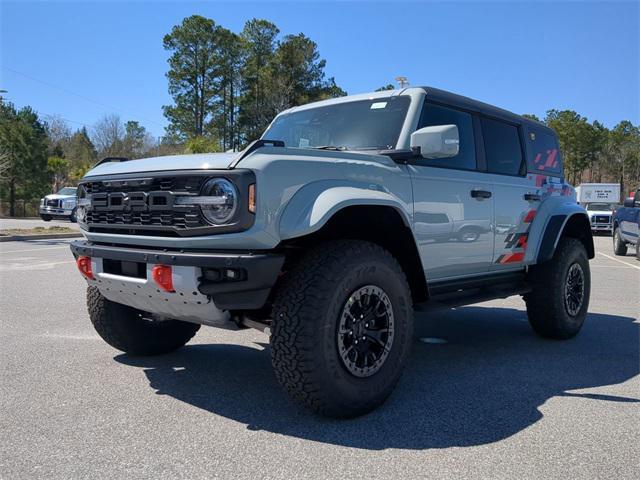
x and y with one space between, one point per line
482 386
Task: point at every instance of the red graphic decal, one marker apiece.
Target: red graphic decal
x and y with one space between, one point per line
540 180
513 257
522 241
551 159
530 216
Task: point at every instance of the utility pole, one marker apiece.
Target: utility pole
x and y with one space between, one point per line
402 81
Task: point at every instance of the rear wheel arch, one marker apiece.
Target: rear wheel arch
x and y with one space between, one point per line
575 225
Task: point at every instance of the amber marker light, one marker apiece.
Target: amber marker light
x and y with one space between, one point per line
252 198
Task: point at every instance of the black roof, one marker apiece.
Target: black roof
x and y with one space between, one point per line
467 103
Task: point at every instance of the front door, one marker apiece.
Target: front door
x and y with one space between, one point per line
453 206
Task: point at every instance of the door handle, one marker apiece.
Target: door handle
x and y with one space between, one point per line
479 194
532 197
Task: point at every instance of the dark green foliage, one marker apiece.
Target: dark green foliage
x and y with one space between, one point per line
23 148
228 87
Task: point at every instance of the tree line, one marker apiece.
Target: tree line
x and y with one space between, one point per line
226 88
39 156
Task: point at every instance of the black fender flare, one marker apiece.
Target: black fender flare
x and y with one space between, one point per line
575 225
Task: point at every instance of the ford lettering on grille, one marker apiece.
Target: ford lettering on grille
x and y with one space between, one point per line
132 201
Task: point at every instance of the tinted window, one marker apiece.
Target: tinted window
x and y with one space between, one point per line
365 124
502 147
544 153
433 115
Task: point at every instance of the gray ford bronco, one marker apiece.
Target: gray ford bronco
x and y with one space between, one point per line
327 234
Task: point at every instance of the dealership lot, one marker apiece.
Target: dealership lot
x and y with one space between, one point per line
493 401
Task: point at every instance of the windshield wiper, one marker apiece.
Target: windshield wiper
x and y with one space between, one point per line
382 147
330 147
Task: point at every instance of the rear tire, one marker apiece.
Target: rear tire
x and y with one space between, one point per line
126 330
619 247
557 305
340 293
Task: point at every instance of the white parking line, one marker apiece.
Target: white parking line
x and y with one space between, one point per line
619 261
34 249
12 267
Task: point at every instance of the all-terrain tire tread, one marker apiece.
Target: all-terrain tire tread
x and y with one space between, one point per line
307 286
545 303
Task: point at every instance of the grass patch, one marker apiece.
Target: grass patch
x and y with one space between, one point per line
36 231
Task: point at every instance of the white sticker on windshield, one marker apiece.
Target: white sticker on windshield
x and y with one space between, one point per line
378 105
303 143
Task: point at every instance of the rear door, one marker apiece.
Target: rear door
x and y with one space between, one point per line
515 194
453 203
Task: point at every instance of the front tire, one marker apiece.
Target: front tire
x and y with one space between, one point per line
342 328
73 218
557 305
46 218
619 247
128 330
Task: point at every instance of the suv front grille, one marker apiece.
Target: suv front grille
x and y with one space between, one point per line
115 207
601 219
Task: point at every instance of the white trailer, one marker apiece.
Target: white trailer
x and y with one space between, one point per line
598 193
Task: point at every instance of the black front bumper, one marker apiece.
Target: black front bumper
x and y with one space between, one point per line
261 270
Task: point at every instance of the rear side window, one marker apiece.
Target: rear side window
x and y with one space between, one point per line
502 147
543 152
433 115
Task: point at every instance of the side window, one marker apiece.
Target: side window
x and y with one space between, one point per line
543 152
502 147
433 115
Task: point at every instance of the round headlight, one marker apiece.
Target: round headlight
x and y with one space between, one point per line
221 212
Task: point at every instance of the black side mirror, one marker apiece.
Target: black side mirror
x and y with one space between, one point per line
628 202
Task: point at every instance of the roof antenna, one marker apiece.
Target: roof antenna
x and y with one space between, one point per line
402 81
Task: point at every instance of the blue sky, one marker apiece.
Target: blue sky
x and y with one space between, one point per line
524 56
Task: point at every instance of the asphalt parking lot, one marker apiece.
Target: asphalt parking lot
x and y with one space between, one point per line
494 401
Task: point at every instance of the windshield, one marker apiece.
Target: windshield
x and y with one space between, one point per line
601 207
373 124
67 191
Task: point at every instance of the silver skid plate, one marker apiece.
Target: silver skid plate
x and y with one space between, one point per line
186 303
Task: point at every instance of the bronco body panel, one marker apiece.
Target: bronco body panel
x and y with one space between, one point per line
465 221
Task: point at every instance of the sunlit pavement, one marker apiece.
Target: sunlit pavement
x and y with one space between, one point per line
491 401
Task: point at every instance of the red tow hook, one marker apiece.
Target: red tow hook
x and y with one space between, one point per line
163 276
84 265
